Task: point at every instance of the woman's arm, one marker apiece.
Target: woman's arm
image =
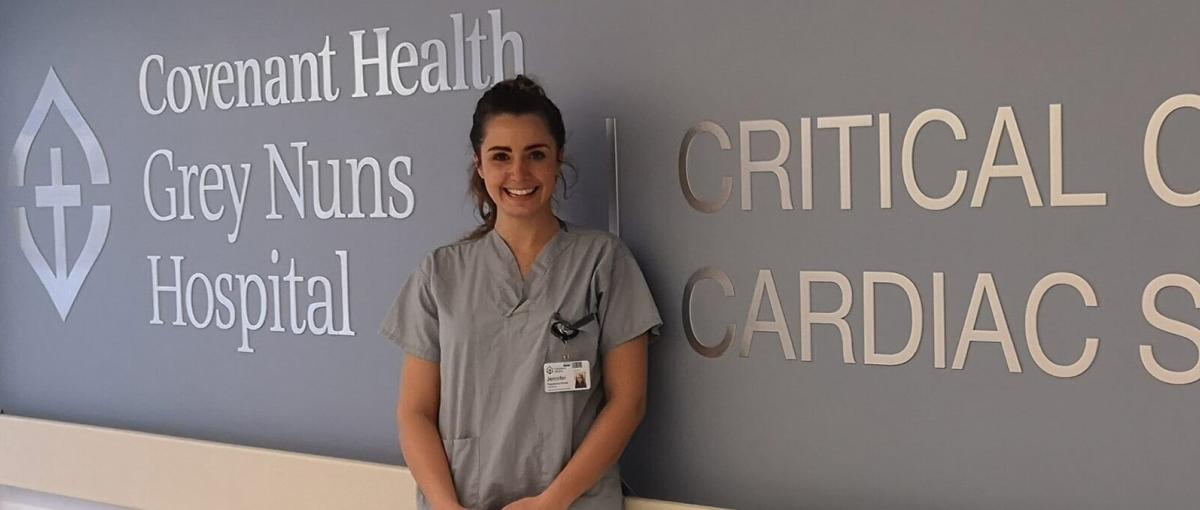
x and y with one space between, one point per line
625 394
417 418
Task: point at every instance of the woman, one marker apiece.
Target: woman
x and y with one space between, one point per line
498 326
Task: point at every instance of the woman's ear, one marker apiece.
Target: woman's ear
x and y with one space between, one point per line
478 169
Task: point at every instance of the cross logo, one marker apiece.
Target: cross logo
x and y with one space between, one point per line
61 282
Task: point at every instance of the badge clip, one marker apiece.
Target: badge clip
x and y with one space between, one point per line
567 330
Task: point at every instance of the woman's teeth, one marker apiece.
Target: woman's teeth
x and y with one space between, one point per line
520 192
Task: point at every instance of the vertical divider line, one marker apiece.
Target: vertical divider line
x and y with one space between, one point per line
614 193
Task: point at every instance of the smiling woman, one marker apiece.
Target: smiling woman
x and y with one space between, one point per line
497 408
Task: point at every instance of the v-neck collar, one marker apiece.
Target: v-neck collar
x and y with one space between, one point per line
516 290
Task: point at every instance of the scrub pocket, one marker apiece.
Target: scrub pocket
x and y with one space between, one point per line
463 455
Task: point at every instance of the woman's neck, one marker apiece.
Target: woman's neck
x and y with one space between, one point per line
525 235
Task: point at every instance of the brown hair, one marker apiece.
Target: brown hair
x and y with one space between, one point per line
515 96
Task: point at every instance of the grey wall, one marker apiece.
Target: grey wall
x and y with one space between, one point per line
757 431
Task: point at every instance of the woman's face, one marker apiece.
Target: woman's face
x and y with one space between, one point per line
519 163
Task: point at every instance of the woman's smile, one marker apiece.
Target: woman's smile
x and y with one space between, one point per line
520 192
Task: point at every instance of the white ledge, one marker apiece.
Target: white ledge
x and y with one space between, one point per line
149 471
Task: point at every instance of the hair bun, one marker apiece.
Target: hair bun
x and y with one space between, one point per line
523 83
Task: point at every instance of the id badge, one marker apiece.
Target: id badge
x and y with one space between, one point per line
567 376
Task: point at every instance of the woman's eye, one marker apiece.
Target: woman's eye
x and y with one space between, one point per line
537 155
500 156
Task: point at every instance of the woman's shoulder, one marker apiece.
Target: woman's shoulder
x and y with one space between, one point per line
458 247
591 234
451 255
600 242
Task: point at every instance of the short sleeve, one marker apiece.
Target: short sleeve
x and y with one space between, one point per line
412 321
626 307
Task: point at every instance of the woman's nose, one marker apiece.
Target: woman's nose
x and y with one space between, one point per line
520 167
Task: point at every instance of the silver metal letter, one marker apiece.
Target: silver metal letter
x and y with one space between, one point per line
706 206
706 273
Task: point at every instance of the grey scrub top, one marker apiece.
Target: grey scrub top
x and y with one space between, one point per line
467 308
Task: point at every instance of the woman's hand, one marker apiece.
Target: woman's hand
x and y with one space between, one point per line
540 502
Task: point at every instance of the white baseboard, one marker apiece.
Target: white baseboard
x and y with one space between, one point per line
14 498
151 471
